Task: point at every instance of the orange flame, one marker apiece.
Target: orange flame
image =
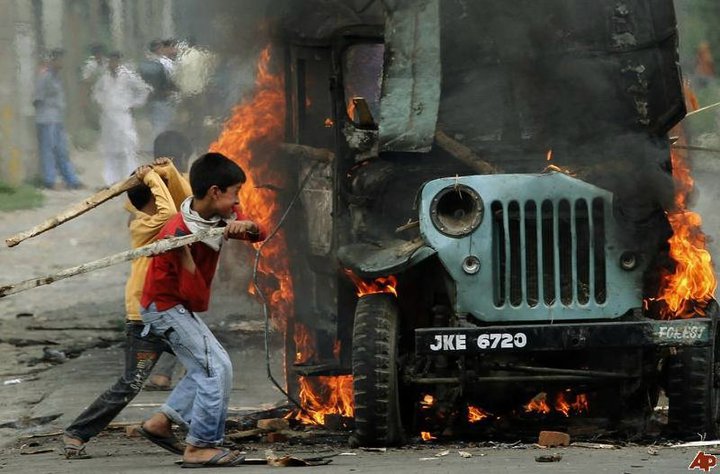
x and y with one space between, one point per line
538 404
427 402
561 405
351 109
426 436
329 123
476 414
322 396
686 291
379 285
258 124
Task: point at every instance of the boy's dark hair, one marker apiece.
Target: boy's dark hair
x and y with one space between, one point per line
214 169
155 45
175 145
139 195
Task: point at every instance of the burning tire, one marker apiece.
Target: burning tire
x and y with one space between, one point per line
375 372
693 393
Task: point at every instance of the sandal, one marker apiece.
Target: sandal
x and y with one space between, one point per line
75 451
236 460
169 443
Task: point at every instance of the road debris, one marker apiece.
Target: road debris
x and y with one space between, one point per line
548 458
273 424
374 450
465 454
694 444
443 453
26 449
582 444
292 461
652 451
551 439
430 459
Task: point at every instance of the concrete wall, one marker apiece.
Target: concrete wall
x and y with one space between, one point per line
17 67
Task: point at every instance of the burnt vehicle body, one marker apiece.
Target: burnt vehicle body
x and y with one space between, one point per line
511 279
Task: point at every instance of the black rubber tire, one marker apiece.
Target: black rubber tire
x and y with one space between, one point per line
375 372
693 394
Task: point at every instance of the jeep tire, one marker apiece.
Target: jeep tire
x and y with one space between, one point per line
693 394
375 372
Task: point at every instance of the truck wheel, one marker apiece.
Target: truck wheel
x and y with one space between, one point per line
375 372
693 393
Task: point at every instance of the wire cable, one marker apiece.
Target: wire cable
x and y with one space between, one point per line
261 294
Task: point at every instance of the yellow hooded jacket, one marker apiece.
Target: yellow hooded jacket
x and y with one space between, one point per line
144 228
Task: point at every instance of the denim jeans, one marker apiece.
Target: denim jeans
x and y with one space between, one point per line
202 396
141 354
53 148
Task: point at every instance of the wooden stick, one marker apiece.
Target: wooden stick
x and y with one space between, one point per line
463 153
702 109
75 210
696 148
155 248
306 152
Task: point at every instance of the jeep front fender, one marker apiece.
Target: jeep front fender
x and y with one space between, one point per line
384 258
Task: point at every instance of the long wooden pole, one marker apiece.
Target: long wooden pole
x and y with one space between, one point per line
463 153
155 248
75 210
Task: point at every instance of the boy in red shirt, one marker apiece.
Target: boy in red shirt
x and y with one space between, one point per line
176 287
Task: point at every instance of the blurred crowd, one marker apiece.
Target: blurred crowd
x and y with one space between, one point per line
171 76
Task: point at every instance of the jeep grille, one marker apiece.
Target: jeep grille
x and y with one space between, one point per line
549 252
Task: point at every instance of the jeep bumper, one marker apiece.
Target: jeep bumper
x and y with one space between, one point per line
559 337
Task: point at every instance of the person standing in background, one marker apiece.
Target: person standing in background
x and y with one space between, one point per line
49 102
157 70
117 92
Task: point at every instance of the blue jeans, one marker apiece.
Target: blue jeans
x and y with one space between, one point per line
53 147
202 396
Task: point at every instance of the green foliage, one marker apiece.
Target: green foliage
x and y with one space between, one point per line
20 197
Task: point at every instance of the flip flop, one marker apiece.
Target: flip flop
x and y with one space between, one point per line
74 451
169 443
215 461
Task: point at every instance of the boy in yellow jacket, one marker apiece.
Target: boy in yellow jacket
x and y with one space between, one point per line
152 205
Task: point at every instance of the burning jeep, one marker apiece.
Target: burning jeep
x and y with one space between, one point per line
496 180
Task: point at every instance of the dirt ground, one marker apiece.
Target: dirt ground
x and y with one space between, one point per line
60 345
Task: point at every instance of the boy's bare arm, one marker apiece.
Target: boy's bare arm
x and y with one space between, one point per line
242 230
177 184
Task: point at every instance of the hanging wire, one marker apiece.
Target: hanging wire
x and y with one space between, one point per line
261 294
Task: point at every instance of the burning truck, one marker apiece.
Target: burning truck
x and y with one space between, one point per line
491 208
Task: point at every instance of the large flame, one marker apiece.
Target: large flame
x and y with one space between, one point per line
322 396
258 125
259 122
686 291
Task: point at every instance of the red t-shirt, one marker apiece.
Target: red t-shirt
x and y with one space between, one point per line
168 283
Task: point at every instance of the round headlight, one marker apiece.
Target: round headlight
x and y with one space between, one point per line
456 210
